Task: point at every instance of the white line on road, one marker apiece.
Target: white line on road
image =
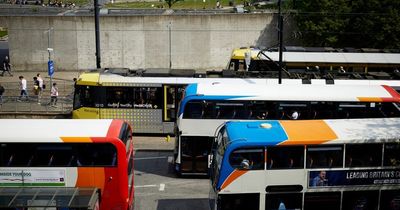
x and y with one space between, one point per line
143 186
162 187
149 158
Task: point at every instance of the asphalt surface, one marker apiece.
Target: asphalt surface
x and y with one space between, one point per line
158 188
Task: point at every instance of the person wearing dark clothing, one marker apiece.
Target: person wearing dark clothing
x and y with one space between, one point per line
1 94
6 66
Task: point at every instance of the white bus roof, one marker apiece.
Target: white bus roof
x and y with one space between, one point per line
294 92
331 57
109 79
291 132
51 130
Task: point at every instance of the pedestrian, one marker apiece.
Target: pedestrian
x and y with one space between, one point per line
6 66
218 4
41 86
54 95
1 94
22 86
36 88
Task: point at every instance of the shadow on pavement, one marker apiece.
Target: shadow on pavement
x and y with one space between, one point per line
154 163
183 204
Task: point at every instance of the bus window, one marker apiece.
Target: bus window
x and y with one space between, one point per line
88 96
96 154
292 110
119 97
226 110
324 156
193 110
289 200
315 200
248 201
363 155
148 97
285 157
391 155
390 200
247 159
390 109
360 200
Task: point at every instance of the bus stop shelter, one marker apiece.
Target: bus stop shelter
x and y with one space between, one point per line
49 198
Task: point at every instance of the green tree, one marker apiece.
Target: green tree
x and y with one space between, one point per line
321 21
350 23
374 23
171 2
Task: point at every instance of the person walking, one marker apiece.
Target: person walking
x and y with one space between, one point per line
23 87
41 86
6 66
1 94
36 88
54 95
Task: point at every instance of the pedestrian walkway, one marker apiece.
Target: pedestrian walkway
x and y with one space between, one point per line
11 104
150 143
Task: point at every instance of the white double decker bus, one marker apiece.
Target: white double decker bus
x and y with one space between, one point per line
316 164
205 107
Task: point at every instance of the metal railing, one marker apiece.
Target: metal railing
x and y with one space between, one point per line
13 104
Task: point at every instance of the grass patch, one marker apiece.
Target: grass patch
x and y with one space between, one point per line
3 33
187 4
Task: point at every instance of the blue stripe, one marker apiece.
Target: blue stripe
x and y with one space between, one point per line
249 134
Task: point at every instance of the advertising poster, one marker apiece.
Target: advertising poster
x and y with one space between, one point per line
32 177
353 177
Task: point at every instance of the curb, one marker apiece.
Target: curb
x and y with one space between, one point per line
152 150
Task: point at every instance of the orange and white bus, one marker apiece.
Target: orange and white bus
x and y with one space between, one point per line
307 164
66 164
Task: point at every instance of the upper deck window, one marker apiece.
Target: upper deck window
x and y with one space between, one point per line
57 154
325 156
290 157
363 155
247 159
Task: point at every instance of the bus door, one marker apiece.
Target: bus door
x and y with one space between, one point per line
172 96
195 153
169 106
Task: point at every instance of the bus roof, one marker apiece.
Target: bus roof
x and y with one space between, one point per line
321 57
56 130
219 91
113 79
281 132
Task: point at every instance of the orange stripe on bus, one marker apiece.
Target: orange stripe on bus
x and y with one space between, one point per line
307 132
370 99
232 177
76 139
91 177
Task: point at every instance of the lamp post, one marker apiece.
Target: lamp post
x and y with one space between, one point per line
50 63
170 45
280 38
97 33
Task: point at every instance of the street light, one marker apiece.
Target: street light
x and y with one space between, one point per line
50 63
280 38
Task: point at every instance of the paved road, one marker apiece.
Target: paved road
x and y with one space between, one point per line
157 187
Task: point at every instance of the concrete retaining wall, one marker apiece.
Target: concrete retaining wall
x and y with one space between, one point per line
150 41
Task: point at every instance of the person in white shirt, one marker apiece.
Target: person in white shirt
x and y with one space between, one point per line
54 95
40 88
23 87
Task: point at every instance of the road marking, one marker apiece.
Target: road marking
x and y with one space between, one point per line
144 186
150 158
162 187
